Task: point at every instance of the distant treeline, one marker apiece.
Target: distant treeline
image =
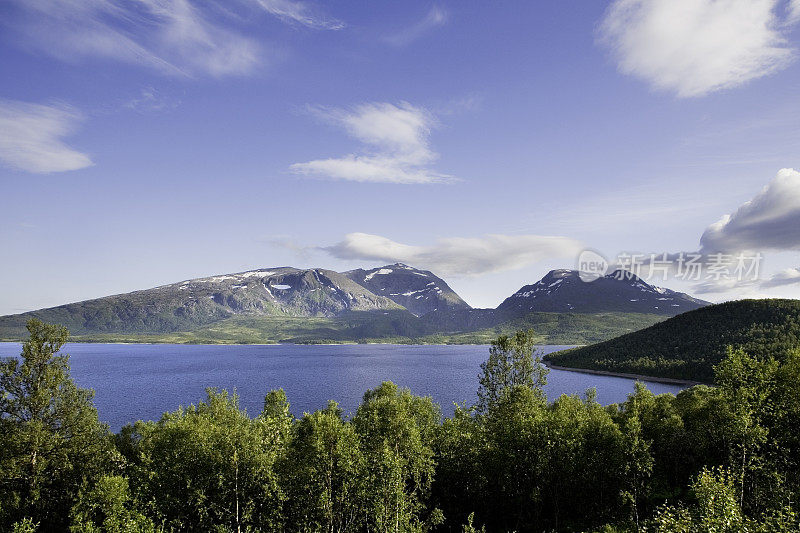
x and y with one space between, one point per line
689 345
721 458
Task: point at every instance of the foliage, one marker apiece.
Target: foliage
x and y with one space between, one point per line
107 506
396 430
719 459
209 465
689 345
50 438
325 470
511 364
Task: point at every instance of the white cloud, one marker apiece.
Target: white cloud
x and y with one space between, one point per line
789 276
769 221
299 12
397 137
433 19
456 255
694 47
794 12
725 286
172 36
31 137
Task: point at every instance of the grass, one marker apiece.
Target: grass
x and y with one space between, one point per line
390 327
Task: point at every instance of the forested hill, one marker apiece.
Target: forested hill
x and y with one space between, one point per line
689 345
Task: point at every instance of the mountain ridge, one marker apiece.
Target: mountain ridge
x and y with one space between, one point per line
392 301
617 291
424 291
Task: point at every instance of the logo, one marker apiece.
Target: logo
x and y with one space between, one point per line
591 265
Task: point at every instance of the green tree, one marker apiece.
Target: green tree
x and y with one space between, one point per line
716 509
277 415
460 448
107 507
397 430
513 460
469 527
511 363
639 464
26 525
747 384
50 437
209 466
325 474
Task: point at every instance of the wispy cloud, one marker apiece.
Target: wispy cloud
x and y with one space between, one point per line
150 99
31 137
287 242
789 276
172 36
725 286
436 17
458 256
769 221
300 12
794 11
397 141
694 47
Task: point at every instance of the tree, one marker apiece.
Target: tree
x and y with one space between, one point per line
397 430
511 363
716 509
107 507
209 466
324 472
50 437
747 384
639 465
460 482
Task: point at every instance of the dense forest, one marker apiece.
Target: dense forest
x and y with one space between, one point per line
688 346
722 458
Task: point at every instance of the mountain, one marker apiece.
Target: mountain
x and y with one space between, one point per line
689 345
393 303
563 291
288 292
419 291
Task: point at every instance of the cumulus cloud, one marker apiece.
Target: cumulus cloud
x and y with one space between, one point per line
458 256
172 36
769 221
397 145
31 137
694 47
433 19
789 276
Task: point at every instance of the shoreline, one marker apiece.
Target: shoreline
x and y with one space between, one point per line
81 341
637 377
626 375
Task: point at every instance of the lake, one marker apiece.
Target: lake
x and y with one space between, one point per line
141 381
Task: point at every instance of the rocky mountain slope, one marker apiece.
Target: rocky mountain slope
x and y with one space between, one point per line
419 291
563 291
394 302
188 304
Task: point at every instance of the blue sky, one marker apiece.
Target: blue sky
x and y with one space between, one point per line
146 142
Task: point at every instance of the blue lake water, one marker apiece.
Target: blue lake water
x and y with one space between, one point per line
141 381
